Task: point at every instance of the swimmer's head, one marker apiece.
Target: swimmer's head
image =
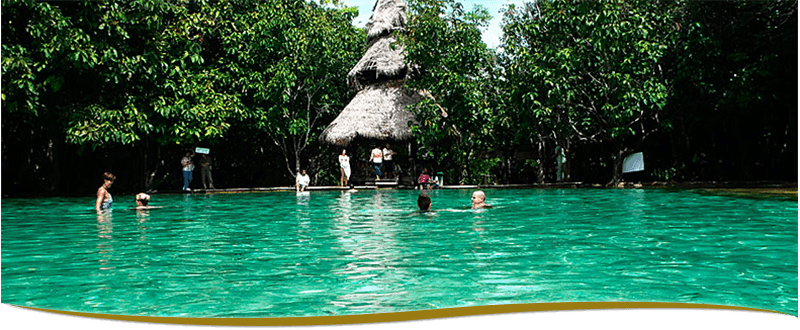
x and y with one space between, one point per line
478 197
424 202
142 199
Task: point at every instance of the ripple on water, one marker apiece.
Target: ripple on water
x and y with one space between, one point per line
328 253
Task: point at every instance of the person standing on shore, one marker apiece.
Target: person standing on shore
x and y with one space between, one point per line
104 199
376 157
388 164
188 167
205 171
344 165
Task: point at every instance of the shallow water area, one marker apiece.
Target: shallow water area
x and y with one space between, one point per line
278 254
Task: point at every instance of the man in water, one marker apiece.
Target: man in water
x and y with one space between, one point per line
424 202
478 200
142 201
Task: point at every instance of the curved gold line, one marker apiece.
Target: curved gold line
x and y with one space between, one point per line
400 316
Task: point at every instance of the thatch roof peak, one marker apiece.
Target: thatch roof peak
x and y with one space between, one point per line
387 16
376 112
383 60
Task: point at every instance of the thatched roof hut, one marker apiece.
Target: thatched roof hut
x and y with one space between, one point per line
376 112
387 16
383 60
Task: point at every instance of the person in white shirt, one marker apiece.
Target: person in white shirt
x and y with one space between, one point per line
344 165
388 165
302 181
376 157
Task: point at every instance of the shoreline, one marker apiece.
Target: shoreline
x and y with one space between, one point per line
769 188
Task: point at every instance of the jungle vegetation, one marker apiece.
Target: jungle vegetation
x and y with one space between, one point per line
707 90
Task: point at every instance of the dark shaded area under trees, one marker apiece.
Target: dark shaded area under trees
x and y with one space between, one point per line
128 87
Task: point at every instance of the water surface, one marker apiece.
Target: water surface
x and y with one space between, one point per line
328 253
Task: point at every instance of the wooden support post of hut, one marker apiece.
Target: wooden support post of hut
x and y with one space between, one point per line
378 111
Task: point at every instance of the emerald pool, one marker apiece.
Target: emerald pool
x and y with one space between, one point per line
275 254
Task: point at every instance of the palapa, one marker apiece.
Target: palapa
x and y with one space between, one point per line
383 60
378 111
387 16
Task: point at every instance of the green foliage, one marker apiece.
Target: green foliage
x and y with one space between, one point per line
481 167
706 89
588 70
289 60
104 73
114 72
459 73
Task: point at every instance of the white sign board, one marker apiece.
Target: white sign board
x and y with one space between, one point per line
633 163
201 150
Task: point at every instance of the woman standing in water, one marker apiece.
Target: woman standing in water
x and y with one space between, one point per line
344 164
104 199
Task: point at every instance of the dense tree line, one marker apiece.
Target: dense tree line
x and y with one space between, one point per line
707 90
128 87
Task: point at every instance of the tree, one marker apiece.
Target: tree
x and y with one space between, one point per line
104 74
733 110
290 59
458 73
594 67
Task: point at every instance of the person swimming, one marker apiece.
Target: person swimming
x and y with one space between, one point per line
143 201
104 198
424 202
479 200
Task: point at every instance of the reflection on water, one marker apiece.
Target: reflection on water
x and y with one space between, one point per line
142 216
105 230
303 198
368 240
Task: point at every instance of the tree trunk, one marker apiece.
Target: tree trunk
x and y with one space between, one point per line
567 162
561 162
412 152
792 143
54 177
296 161
152 174
619 156
145 150
540 161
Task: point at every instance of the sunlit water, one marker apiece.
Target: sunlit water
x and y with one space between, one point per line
279 255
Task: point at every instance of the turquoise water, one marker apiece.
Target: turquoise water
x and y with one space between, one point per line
327 253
